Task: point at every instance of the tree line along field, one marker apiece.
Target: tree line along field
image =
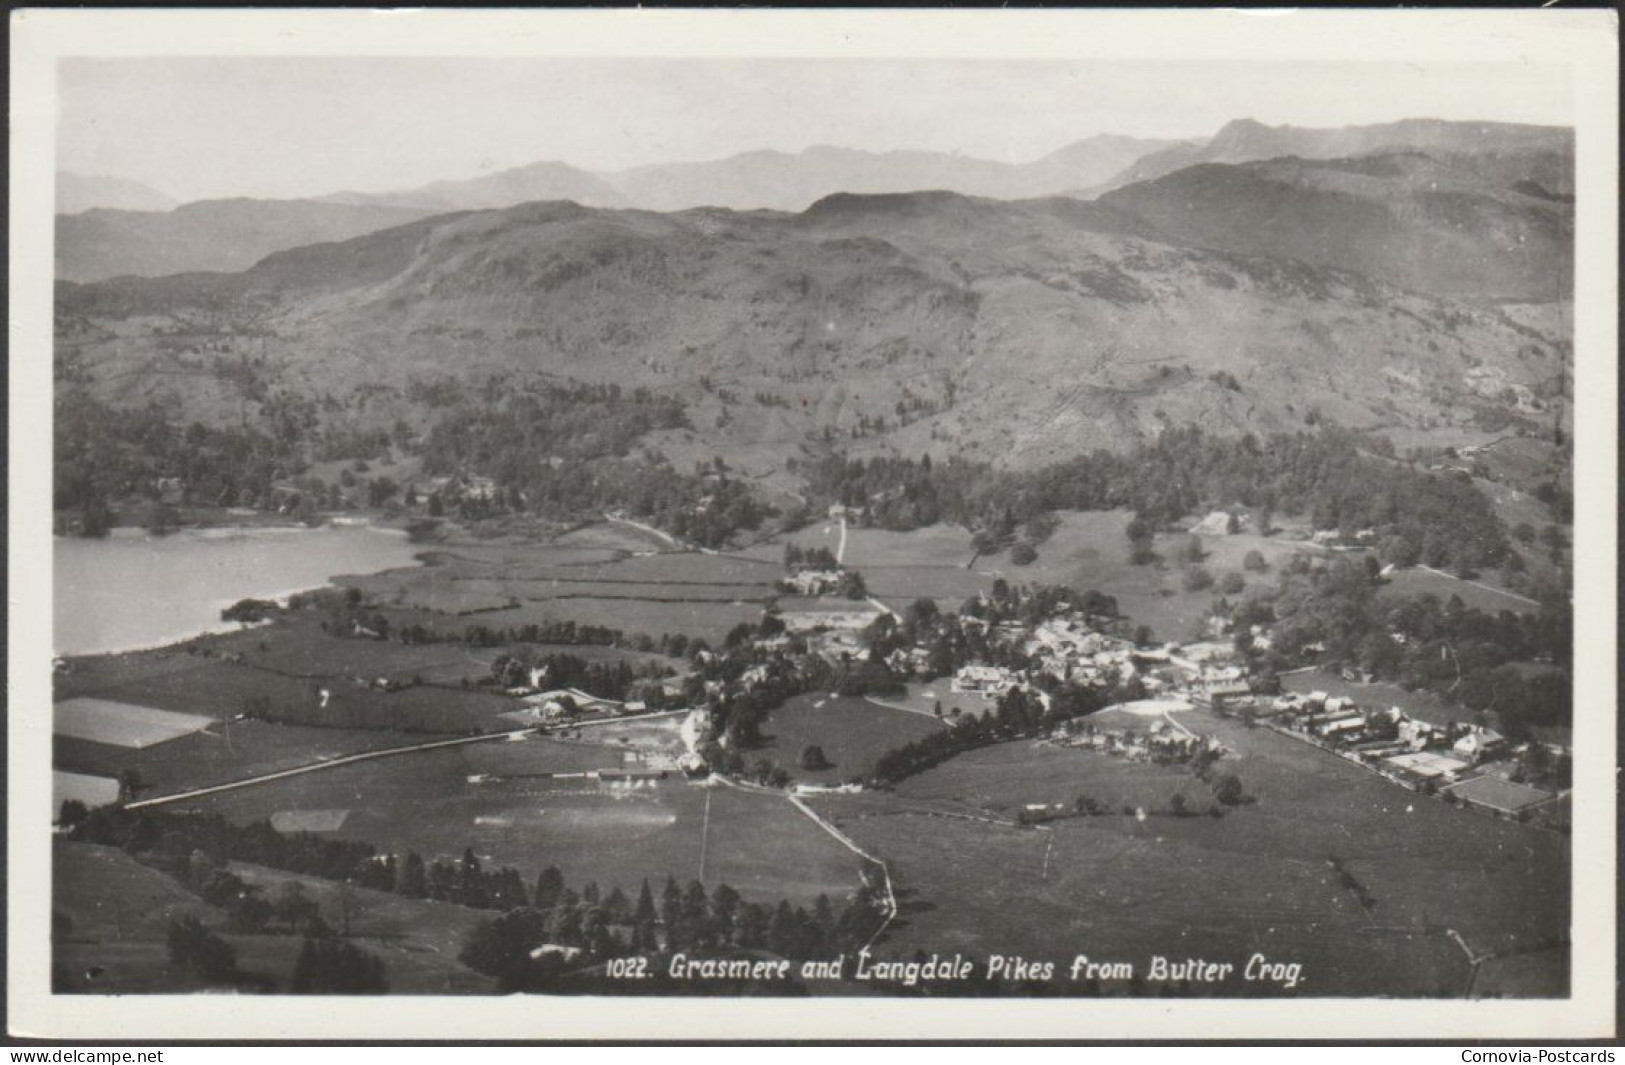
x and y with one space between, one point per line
119 913
499 800
1266 876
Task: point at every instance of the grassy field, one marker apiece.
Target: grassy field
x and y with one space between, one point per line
613 536
229 750
606 574
1478 594
220 689
418 939
173 680
706 620
1006 777
1089 549
897 567
1259 878
121 724
612 834
121 910
924 697
852 732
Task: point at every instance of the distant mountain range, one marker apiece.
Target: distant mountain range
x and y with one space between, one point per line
1448 208
778 181
219 235
1505 152
233 234
85 192
1025 330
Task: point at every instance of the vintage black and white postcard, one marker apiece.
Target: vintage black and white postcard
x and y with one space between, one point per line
1020 524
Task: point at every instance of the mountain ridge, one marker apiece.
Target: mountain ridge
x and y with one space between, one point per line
1024 330
76 192
1521 147
1405 217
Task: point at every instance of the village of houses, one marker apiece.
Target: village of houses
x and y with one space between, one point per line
1462 763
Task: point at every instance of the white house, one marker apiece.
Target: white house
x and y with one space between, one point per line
1479 744
983 680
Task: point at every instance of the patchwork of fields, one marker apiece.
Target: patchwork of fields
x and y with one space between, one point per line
1327 865
608 575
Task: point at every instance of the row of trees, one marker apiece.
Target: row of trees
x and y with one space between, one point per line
567 941
616 679
1018 714
326 965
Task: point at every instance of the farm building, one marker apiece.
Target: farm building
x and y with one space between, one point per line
1502 796
812 615
1428 765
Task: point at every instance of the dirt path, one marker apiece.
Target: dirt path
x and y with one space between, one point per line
840 837
676 544
1478 584
329 763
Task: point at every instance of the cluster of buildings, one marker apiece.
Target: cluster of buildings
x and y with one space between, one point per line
1470 762
1416 749
1159 742
1069 649
812 581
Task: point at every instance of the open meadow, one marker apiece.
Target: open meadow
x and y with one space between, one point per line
1329 865
226 751
508 802
1477 594
608 574
120 911
1090 550
851 732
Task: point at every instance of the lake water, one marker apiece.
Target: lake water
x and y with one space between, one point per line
134 590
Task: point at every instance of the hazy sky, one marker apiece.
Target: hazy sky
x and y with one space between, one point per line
197 128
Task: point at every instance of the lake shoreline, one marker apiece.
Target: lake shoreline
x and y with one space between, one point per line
187 565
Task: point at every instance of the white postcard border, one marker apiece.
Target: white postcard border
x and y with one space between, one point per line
1585 41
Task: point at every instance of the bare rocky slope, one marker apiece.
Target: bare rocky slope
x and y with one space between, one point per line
1018 331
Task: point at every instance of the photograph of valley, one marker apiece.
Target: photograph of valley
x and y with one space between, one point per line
886 528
